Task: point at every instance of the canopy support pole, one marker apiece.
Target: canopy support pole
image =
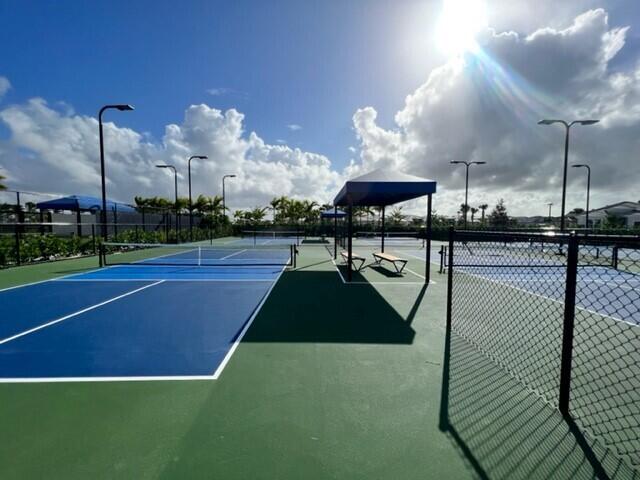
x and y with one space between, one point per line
350 243
335 232
382 228
427 247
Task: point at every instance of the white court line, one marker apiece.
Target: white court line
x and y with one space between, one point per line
104 379
561 302
229 354
214 376
106 280
237 253
379 283
51 279
75 314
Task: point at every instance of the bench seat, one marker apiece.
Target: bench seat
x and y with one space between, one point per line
397 262
354 258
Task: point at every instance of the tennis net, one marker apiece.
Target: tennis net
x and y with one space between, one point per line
267 237
396 239
197 255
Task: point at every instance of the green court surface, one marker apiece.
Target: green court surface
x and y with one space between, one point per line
331 381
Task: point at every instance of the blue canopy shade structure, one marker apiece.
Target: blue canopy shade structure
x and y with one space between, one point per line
383 187
331 213
81 203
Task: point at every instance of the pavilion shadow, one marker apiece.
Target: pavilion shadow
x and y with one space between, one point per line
504 431
315 306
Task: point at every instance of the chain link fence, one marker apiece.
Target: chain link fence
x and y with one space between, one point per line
561 314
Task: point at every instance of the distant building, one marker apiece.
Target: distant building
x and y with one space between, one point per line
627 212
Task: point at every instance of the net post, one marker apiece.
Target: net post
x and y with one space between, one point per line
614 256
568 325
100 255
199 256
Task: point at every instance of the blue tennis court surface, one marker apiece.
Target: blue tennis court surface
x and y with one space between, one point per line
609 291
130 322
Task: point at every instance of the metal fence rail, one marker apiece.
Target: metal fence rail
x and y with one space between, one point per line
561 314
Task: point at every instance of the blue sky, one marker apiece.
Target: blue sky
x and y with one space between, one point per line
289 62
365 74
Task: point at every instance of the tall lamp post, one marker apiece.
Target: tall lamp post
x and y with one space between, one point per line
199 157
567 127
224 206
466 184
175 184
584 165
550 205
103 213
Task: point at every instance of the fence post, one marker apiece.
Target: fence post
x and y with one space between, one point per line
567 330
450 280
93 237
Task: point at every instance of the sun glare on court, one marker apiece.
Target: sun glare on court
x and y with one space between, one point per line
459 23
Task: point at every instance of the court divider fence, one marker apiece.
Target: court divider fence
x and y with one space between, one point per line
560 314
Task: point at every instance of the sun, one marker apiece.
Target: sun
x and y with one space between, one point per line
459 23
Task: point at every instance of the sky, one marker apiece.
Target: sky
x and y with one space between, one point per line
296 97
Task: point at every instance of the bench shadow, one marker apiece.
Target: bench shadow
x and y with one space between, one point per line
502 430
385 271
315 306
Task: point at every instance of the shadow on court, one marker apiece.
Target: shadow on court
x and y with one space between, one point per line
504 431
315 306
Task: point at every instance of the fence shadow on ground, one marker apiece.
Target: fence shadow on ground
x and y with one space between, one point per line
502 430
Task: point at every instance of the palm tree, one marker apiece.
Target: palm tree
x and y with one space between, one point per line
473 213
310 210
396 216
257 214
275 204
239 216
483 207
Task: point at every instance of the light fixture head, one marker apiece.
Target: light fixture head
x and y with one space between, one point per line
124 107
587 122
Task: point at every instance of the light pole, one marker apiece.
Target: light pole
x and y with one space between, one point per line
103 215
466 184
550 204
584 165
567 127
200 157
175 183
224 207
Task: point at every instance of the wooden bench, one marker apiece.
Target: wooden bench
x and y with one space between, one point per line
354 258
380 256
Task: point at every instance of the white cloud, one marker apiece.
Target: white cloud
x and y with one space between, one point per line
5 85
486 108
219 91
294 127
59 152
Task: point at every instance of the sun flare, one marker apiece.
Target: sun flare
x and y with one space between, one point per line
459 23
